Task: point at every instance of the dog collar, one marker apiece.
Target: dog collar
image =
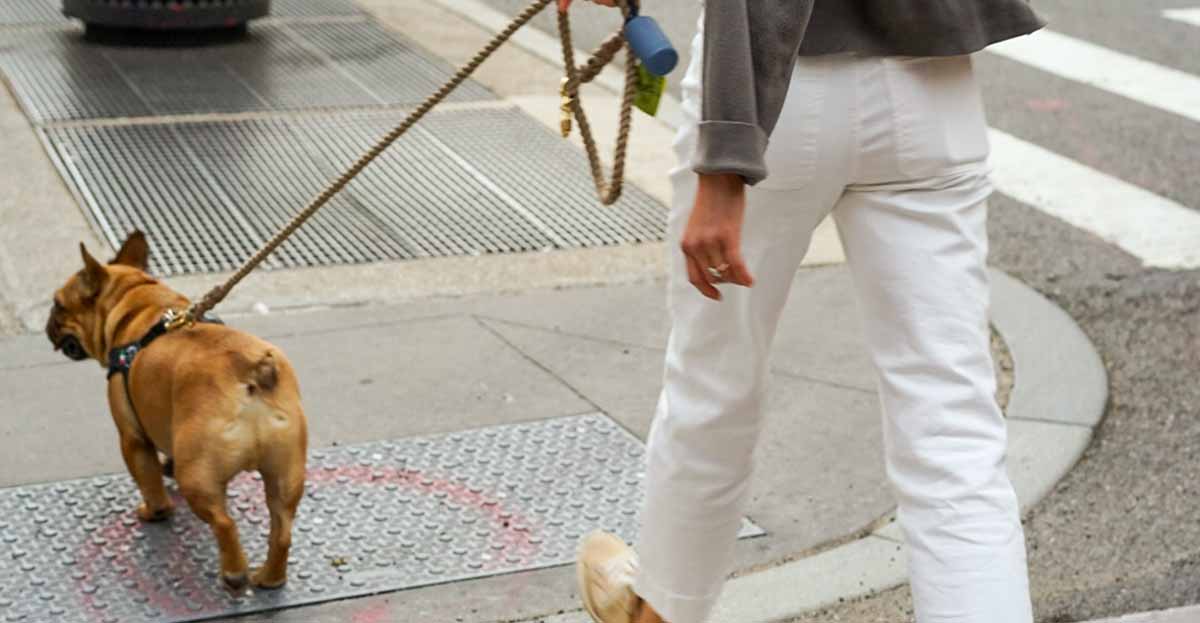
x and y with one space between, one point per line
120 359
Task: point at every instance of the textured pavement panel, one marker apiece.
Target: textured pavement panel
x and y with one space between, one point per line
382 516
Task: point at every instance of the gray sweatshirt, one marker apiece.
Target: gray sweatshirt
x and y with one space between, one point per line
750 47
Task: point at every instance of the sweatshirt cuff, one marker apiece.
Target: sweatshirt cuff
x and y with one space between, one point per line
731 147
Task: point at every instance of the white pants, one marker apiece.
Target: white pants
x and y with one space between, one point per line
896 149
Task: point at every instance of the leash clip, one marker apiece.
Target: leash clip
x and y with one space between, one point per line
565 108
176 319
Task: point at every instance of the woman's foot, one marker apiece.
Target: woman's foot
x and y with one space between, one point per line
605 568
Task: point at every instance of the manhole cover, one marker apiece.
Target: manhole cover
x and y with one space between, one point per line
377 517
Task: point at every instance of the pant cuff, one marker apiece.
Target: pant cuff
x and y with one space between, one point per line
674 607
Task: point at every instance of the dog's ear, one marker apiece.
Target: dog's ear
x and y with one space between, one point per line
135 252
92 277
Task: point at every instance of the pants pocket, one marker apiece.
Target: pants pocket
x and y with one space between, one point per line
791 155
938 113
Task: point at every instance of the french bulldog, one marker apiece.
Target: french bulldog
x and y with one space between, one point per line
214 400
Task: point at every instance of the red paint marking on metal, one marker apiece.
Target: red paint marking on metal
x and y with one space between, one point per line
119 541
514 541
118 537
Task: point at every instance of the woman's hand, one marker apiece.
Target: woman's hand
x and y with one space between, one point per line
563 5
712 242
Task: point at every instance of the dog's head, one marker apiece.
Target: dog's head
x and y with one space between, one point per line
76 322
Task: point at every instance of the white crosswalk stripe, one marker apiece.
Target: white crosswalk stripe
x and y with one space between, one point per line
1187 16
1139 80
1161 232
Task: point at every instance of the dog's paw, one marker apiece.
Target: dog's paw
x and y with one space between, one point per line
236 582
261 579
145 514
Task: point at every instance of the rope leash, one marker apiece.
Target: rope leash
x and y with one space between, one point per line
609 191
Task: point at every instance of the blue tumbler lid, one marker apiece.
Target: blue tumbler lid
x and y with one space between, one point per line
651 45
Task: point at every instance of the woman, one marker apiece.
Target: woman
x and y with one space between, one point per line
873 115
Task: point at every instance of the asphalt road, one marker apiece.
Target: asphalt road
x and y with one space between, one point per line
1119 534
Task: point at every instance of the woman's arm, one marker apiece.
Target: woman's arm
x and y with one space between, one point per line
750 47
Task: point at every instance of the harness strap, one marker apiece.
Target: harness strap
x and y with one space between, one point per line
120 359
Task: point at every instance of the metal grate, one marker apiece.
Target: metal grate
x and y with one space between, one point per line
395 514
59 76
21 12
313 8
462 182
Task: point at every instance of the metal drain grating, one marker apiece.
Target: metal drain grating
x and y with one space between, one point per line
21 12
462 182
313 8
377 517
59 76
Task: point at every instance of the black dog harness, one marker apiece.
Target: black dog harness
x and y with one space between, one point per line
120 359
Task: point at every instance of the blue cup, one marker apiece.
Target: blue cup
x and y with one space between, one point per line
651 45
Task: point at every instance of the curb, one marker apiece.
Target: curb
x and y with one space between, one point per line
1058 399
1188 614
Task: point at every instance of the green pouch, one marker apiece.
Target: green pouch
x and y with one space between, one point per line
649 90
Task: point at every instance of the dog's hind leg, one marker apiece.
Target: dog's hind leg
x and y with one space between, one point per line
141 459
283 480
142 462
205 494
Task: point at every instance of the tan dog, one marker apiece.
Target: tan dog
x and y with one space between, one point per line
214 400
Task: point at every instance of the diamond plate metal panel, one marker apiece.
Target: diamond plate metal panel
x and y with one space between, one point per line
377 517
210 193
58 75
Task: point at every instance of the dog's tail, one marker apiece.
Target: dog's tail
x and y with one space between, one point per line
264 374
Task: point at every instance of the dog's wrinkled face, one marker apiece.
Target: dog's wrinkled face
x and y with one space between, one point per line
76 320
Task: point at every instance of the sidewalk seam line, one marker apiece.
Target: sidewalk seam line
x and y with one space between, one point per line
482 323
590 338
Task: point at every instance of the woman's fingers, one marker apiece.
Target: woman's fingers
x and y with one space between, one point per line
737 273
714 264
700 278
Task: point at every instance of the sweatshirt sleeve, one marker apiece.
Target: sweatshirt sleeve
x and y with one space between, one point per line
750 47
